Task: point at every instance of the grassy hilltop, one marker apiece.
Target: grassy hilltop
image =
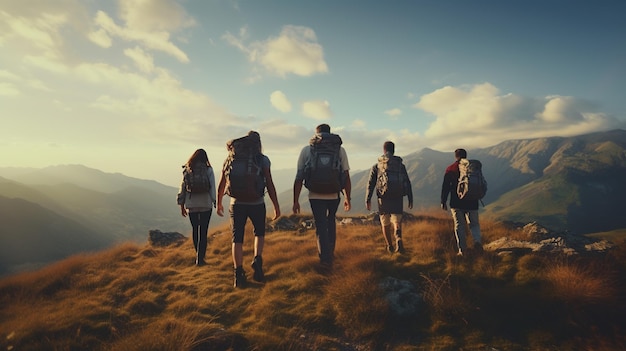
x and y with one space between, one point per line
135 297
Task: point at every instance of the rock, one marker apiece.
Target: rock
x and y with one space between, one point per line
402 296
158 238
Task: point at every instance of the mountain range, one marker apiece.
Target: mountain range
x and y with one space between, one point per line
565 183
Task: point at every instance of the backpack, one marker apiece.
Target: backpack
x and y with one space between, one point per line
471 185
243 169
323 172
196 179
391 181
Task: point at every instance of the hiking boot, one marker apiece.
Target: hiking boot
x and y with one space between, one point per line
399 246
390 248
200 263
478 247
460 253
240 278
257 265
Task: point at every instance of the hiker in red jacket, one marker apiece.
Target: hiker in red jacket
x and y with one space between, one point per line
464 211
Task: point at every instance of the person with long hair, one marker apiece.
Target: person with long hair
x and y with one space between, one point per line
247 204
196 199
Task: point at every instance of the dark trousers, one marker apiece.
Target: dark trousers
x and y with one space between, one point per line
200 225
239 214
324 212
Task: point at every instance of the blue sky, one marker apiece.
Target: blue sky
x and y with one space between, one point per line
135 86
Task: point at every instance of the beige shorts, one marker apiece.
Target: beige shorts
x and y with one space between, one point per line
391 218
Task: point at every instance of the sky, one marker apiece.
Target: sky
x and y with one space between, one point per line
136 86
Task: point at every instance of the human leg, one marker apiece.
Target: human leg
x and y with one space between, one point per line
474 227
203 229
332 206
238 218
257 216
385 223
320 215
458 216
194 219
396 221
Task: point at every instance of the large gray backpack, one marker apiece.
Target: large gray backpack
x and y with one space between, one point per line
390 180
196 178
323 171
243 170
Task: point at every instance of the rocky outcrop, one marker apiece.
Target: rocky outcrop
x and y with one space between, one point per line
541 239
158 238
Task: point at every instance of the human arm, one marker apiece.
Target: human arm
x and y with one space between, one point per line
220 195
297 188
347 190
271 191
181 197
371 185
408 187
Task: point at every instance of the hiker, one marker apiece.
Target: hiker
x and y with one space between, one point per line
245 175
464 210
391 181
324 170
196 199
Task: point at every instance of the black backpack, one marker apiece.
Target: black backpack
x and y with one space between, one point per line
323 171
196 179
471 184
243 169
391 180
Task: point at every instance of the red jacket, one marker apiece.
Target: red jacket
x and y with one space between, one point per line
450 180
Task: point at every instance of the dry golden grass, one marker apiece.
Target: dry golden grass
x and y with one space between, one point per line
134 297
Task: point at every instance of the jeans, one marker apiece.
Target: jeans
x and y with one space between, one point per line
463 218
200 226
325 227
239 214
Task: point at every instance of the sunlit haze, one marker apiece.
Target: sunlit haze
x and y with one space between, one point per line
135 86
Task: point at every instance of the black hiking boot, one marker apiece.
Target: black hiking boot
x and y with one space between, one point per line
240 278
399 246
257 265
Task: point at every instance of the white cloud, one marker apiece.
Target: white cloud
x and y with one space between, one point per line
280 102
480 116
144 32
317 109
143 60
8 89
294 51
394 112
100 38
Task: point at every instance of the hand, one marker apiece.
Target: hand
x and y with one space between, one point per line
444 206
410 205
296 207
276 213
220 210
183 211
368 204
346 205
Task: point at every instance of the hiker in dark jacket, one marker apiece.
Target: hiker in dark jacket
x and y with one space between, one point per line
198 206
391 203
464 212
240 210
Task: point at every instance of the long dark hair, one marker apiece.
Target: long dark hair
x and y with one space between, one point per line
199 156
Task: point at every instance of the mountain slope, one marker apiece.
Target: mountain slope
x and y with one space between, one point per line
32 236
